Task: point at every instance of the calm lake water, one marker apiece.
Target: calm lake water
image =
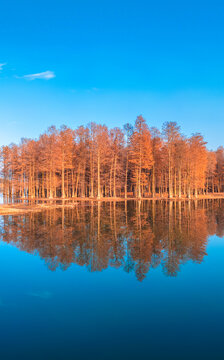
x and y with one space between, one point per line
135 280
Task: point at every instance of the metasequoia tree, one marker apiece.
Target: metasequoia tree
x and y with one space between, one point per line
171 135
65 146
6 171
48 162
219 178
101 153
92 150
211 171
157 157
180 166
116 146
196 165
82 158
141 154
128 131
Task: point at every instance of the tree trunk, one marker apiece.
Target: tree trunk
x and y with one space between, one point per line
63 177
115 168
98 177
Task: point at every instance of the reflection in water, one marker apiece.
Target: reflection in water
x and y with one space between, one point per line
135 236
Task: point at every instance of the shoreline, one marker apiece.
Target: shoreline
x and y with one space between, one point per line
45 204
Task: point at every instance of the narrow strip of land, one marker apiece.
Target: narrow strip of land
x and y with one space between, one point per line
16 209
37 205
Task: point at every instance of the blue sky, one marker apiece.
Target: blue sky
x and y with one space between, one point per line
71 62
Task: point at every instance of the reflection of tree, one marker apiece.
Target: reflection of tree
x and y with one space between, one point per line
135 236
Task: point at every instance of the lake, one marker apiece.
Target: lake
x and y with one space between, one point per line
113 280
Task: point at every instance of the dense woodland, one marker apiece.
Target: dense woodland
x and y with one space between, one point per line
97 162
136 236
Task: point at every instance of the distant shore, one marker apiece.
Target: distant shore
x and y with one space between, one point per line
45 204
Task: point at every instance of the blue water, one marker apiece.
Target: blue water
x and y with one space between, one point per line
75 312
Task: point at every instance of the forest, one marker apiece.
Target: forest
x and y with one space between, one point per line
96 162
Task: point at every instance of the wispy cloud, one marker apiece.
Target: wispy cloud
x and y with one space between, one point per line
1 66
46 75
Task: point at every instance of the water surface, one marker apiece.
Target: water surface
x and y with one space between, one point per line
113 281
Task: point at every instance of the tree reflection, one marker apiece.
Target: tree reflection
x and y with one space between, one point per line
136 236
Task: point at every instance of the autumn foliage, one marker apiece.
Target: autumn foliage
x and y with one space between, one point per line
97 162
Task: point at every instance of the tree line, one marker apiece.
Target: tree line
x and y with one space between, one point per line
97 162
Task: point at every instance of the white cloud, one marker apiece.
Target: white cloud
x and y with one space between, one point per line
1 66
46 75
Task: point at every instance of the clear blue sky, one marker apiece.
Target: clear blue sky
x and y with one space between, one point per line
109 61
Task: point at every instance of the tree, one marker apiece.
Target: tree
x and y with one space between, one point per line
171 135
210 171
157 156
116 146
65 146
197 164
141 153
102 151
128 129
220 168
